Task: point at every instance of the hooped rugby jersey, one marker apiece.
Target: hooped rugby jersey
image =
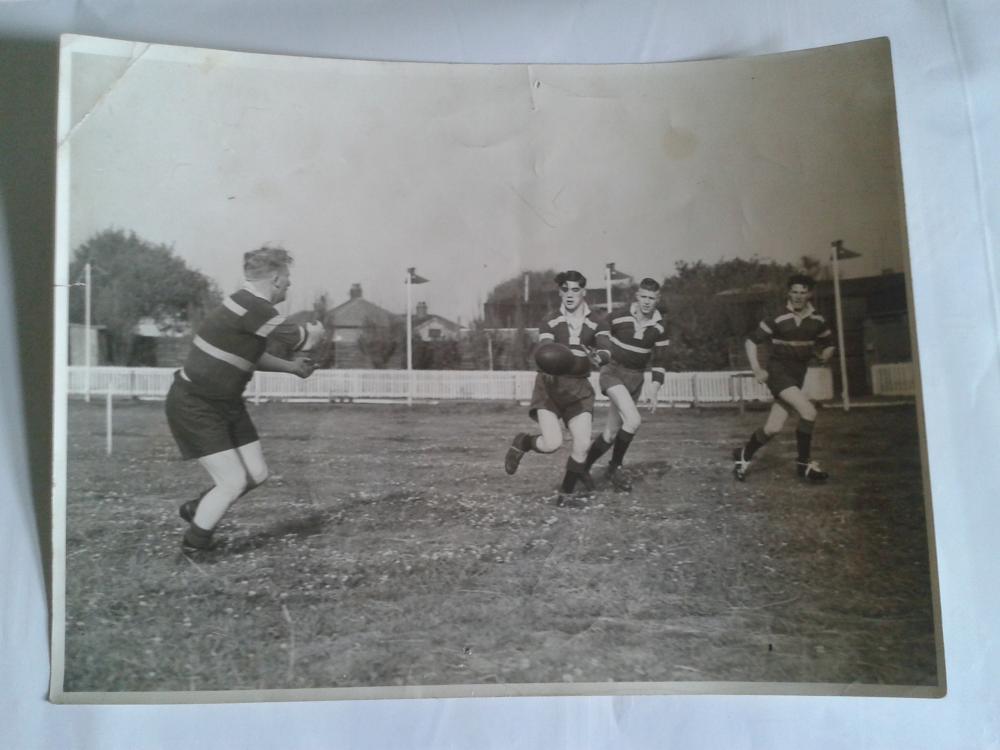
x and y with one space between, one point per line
579 333
794 337
638 343
230 342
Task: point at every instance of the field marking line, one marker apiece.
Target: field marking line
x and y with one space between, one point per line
196 565
769 604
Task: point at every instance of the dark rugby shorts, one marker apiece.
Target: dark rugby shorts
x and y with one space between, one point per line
784 374
563 395
613 374
203 426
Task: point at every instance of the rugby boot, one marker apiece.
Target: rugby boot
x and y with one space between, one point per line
572 500
741 466
811 471
198 538
514 454
619 479
188 509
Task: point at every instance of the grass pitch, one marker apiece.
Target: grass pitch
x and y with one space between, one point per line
389 548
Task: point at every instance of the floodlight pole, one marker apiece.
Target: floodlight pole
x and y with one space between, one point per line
86 332
609 270
409 337
844 389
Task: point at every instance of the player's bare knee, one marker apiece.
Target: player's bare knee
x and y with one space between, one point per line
808 412
233 487
548 444
632 424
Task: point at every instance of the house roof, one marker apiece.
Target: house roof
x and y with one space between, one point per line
354 313
422 320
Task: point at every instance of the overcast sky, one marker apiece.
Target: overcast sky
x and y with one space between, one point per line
472 173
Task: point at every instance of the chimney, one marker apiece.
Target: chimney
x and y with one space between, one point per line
421 309
355 291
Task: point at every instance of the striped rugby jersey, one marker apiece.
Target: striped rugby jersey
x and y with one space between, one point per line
578 333
638 343
794 338
231 341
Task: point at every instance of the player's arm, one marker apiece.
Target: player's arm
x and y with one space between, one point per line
298 337
661 348
760 335
824 345
545 332
300 365
600 354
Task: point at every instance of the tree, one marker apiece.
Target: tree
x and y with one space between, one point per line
132 279
436 355
380 342
710 306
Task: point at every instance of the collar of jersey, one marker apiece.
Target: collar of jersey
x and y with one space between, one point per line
806 311
639 320
248 287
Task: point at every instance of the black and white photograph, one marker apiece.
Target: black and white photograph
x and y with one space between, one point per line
385 379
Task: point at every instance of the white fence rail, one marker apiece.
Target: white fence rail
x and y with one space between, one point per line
433 385
894 380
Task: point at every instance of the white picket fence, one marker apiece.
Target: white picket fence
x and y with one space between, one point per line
894 380
432 385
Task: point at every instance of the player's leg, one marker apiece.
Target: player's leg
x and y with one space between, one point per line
806 467
551 438
252 455
606 438
760 437
630 422
256 470
576 470
230 477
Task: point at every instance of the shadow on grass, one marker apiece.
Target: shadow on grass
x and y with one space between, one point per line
302 527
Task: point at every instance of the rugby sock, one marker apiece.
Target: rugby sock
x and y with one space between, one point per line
597 449
573 471
803 439
757 441
525 443
622 443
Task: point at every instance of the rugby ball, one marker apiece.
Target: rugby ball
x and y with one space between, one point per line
555 359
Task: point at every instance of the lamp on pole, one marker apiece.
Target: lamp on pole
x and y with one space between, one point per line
411 279
840 253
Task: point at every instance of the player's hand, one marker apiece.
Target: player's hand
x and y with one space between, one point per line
761 375
651 400
302 365
594 357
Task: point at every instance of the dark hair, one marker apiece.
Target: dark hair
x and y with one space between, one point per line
564 276
800 278
262 262
650 285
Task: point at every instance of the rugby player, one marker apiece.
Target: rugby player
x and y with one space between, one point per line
795 334
638 341
570 397
205 408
